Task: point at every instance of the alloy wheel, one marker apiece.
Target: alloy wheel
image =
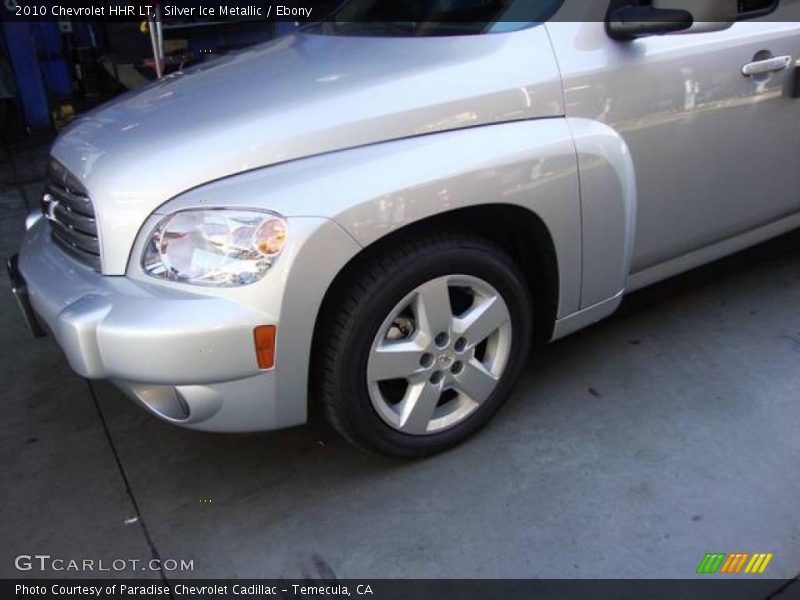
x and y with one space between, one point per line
439 354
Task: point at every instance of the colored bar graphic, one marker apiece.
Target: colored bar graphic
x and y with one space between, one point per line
758 564
731 564
734 563
711 563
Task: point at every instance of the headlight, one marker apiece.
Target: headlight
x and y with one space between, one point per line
215 247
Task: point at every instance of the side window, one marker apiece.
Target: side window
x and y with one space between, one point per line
752 9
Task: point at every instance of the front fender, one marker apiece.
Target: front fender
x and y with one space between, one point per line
556 168
374 190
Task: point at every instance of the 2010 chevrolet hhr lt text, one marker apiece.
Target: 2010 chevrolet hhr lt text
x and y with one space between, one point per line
380 218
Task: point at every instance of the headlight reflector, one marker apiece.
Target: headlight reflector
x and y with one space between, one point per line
217 247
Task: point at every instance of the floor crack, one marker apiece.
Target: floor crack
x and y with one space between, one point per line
128 489
784 587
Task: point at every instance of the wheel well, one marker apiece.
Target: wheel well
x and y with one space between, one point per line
520 232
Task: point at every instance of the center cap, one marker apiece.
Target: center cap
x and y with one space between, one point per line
445 360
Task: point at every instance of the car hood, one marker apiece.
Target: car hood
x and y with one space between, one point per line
294 97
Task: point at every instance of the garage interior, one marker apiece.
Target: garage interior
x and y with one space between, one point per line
627 451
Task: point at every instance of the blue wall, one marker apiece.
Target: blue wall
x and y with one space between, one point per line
21 45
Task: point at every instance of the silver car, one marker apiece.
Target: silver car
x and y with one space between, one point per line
383 217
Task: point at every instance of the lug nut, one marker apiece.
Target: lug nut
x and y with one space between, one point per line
437 377
461 344
442 340
426 361
457 368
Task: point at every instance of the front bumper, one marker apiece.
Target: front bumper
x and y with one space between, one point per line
188 358
20 291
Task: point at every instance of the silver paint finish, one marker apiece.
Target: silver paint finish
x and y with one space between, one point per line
714 152
375 190
766 66
297 96
105 323
145 335
711 253
438 355
608 209
654 156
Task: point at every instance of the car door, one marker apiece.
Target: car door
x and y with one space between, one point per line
715 151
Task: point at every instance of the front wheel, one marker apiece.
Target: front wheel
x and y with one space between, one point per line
425 345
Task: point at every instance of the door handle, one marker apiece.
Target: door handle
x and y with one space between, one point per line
769 65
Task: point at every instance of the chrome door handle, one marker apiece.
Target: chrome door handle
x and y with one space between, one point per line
770 65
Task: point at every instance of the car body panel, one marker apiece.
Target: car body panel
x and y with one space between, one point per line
296 96
374 191
154 339
608 210
352 139
371 192
714 151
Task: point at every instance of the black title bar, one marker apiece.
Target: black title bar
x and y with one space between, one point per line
303 11
382 589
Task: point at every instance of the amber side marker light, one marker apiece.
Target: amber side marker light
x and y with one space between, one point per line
265 345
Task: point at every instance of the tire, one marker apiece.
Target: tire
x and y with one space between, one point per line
393 305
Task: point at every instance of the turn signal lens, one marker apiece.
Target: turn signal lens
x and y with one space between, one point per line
271 237
265 345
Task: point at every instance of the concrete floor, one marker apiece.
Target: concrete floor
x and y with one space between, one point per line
628 450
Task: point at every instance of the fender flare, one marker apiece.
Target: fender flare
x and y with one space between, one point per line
608 209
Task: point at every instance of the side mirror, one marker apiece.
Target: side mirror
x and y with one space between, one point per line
663 17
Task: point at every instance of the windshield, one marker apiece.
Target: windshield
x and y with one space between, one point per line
432 17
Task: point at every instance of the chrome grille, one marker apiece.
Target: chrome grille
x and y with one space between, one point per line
71 215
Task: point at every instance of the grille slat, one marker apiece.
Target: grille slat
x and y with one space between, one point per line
77 221
75 238
70 212
76 203
82 256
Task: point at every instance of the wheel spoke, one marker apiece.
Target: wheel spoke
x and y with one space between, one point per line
481 321
394 360
416 409
433 311
475 382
